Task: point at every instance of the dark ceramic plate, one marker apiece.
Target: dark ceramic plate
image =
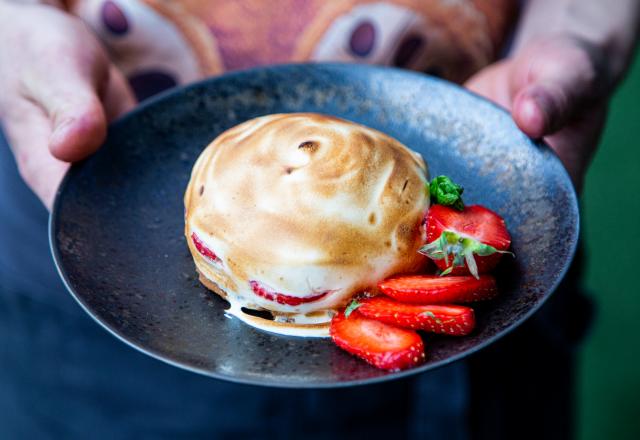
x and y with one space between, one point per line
117 226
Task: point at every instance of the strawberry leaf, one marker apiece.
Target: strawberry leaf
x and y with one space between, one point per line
447 271
484 249
444 192
351 307
471 263
459 250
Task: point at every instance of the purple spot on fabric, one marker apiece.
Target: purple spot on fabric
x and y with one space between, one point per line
147 84
114 19
362 39
408 49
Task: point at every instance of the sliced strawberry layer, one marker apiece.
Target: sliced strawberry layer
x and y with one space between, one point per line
204 250
382 345
281 298
434 289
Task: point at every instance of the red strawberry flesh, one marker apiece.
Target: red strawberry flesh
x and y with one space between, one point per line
444 319
474 222
203 249
382 345
434 289
267 293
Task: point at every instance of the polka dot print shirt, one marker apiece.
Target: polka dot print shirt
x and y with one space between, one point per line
162 43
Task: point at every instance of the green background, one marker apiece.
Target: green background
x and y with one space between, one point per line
609 374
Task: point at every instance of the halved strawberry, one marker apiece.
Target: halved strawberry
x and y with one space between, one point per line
434 289
468 241
382 345
444 319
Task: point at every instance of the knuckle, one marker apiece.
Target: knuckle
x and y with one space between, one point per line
583 63
569 61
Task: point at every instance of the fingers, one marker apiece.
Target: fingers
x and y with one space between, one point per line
80 122
34 135
540 108
29 130
77 133
80 95
118 98
59 92
67 83
79 116
71 101
552 84
556 89
490 81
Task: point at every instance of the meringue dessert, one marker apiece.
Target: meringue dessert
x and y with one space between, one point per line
294 214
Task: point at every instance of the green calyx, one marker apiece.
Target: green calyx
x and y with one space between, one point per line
351 307
444 192
459 250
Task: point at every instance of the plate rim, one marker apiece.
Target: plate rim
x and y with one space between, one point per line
54 219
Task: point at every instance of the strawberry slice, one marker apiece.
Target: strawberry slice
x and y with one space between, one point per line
434 289
468 241
382 345
444 319
203 249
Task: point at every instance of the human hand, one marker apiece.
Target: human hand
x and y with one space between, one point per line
58 90
556 88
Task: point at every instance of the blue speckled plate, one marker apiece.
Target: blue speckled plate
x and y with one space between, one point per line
116 228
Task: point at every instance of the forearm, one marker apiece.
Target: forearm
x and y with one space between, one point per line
611 27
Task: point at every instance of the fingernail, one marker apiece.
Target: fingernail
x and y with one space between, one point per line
533 117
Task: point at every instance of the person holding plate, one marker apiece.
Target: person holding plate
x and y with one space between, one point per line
68 68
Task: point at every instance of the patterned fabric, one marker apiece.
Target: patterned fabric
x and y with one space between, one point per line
161 43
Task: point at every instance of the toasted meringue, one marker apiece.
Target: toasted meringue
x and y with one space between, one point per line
297 213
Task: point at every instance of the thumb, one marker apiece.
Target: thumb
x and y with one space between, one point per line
78 126
555 82
70 95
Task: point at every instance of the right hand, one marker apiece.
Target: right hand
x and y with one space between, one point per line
58 91
556 87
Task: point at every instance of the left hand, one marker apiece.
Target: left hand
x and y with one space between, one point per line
556 88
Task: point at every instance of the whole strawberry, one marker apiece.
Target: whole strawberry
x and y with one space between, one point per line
462 239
